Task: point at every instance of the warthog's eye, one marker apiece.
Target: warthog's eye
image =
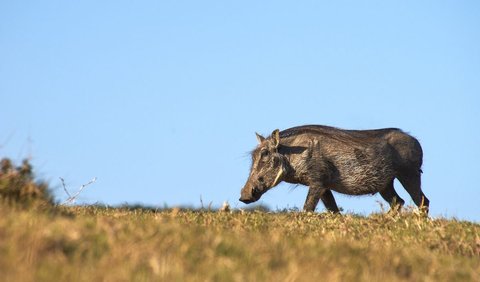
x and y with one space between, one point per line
264 153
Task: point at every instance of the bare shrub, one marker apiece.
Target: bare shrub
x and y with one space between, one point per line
18 185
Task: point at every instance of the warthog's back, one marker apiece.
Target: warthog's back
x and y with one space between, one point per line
353 137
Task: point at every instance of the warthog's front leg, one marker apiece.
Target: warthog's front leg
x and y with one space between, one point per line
314 195
329 202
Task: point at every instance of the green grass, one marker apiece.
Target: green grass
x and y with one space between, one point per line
121 244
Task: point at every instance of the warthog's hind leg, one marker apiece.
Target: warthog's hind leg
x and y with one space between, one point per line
390 195
412 182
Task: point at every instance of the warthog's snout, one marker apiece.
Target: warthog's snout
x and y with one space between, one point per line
250 194
246 200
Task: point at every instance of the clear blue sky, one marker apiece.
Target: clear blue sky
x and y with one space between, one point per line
160 99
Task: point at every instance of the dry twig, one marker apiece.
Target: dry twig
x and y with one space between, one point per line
71 199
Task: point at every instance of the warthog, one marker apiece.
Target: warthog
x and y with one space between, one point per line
353 162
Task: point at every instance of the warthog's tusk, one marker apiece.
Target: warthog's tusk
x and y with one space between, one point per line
277 179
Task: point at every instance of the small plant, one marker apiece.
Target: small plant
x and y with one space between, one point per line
18 186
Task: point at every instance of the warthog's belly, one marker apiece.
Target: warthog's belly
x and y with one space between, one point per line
363 171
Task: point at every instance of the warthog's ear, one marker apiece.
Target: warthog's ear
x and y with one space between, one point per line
260 138
276 137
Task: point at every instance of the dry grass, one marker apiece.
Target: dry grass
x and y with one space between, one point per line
121 244
40 241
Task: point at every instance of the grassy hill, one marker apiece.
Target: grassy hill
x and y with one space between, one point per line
41 241
135 244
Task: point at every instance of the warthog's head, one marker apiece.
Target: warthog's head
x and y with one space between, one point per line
268 168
